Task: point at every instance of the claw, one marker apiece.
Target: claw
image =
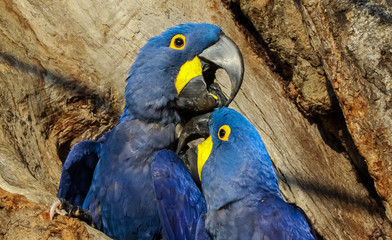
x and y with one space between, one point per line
55 208
61 206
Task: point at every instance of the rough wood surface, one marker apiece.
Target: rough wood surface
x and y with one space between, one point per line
344 46
361 73
21 218
63 66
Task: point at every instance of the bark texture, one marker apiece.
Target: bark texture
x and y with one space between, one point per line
317 87
344 46
21 218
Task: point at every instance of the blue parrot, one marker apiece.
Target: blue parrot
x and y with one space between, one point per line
240 186
112 180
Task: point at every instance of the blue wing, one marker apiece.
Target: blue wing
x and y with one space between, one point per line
201 231
78 172
280 220
180 202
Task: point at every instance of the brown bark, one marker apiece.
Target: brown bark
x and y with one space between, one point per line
23 219
63 67
348 44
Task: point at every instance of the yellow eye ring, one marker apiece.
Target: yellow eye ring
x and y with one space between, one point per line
178 42
224 132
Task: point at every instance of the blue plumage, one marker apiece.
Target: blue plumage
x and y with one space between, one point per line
240 186
81 162
155 69
121 193
121 197
179 200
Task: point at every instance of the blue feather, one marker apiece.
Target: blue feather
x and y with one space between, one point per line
179 200
121 197
241 188
78 171
150 84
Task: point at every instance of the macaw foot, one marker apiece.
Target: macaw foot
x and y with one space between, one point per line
62 207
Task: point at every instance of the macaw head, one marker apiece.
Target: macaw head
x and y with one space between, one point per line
175 73
232 162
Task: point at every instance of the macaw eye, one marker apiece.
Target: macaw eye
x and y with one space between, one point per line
224 133
178 42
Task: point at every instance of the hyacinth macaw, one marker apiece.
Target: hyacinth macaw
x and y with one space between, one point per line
173 76
240 186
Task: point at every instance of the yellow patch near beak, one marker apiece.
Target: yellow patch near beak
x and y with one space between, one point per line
188 71
214 96
203 152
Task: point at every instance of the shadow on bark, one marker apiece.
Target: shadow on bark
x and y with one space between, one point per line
375 10
76 93
71 86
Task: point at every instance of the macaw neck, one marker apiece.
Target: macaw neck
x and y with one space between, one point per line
244 177
150 96
133 142
162 117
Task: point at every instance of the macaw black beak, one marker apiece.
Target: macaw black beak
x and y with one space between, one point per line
202 92
196 128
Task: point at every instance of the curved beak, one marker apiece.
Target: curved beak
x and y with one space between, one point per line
226 54
199 90
188 148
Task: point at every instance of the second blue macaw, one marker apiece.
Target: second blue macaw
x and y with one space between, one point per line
240 186
173 76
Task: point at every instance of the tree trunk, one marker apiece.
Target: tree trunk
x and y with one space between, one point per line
311 67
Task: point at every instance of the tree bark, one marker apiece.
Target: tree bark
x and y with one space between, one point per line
63 67
337 52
